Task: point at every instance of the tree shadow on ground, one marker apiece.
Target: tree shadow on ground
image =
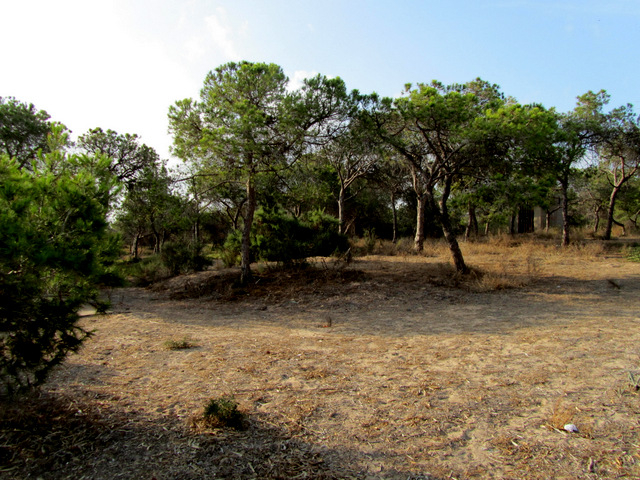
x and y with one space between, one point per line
421 299
55 436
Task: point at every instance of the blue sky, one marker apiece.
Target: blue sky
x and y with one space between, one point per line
119 64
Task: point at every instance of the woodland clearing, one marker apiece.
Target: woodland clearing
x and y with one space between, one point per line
390 367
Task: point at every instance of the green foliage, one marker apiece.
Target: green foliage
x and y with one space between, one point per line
145 271
183 344
23 130
279 237
128 157
223 412
182 257
633 254
55 249
230 251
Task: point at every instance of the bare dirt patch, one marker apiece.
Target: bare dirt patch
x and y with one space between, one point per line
391 368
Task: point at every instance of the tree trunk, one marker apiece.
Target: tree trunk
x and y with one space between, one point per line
564 187
196 231
452 241
395 217
447 229
596 223
156 242
341 211
134 247
472 227
547 221
418 241
512 225
610 210
245 263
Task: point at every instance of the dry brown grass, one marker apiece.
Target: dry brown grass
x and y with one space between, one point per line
391 368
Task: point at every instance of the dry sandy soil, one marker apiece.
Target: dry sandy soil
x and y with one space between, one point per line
388 368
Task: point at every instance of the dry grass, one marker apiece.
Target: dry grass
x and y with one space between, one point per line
392 368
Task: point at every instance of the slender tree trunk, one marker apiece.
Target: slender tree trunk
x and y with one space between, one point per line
472 227
486 227
395 217
610 211
341 210
156 242
547 220
134 247
564 187
596 223
418 241
196 230
512 225
245 263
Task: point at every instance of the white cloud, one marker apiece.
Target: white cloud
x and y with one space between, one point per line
295 80
220 31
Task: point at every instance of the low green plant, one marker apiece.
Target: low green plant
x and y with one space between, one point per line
183 257
634 381
633 254
183 344
370 240
145 271
223 412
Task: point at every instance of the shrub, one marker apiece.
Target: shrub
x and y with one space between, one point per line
55 250
183 257
230 252
145 271
223 412
633 254
279 237
183 344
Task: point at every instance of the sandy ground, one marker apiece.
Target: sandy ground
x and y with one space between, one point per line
384 371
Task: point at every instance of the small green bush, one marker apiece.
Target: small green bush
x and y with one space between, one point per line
183 257
223 412
633 254
280 237
230 252
183 344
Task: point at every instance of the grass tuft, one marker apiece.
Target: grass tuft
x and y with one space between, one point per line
183 344
223 412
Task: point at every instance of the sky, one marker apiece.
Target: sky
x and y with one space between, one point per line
120 64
